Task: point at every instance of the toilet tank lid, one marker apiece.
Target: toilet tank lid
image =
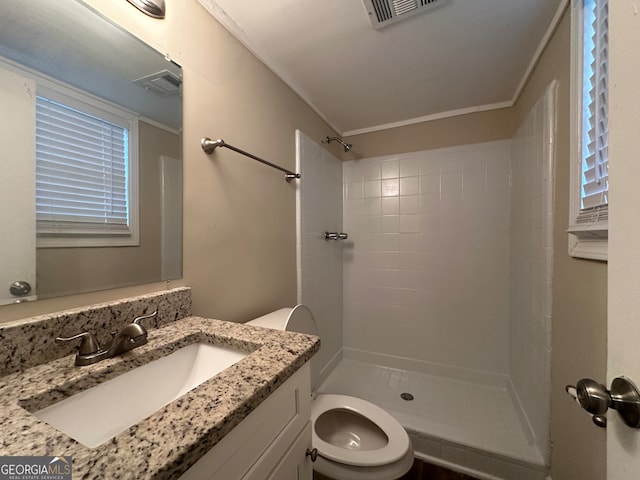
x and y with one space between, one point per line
297 319
301 320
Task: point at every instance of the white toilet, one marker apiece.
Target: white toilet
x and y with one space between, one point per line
355 439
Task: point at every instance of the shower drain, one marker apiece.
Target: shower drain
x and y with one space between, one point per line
406 396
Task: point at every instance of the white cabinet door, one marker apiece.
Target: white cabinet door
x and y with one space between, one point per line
255 448
296 465
17 184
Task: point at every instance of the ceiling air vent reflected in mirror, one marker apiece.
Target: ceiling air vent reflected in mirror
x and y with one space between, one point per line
161 83
387 12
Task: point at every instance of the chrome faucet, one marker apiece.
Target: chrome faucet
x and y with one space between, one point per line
132 336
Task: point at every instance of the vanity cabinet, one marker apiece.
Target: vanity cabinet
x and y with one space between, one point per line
270 443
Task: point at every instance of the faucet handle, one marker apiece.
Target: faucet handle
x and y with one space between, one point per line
89 343
142 317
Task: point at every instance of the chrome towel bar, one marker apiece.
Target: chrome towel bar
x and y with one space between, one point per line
208 146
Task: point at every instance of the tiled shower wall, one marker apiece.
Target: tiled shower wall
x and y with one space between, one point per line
319 204
532 164
447 269
426 272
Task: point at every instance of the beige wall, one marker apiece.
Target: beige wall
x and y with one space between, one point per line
447 132
239 215
579 294
64 271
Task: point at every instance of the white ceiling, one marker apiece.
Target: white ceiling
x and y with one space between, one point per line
464 55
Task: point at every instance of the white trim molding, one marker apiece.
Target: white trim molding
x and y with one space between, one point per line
546 39
429 118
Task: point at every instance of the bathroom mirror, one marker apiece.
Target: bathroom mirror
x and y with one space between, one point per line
68 47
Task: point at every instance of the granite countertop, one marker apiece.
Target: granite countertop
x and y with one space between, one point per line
166 444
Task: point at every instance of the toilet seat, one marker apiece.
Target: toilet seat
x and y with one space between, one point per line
395 449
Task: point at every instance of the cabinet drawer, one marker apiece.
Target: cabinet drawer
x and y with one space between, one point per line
280 417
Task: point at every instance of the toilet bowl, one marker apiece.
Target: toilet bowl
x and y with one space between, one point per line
355 439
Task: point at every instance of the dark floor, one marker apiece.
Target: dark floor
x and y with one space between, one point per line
425 471
422 471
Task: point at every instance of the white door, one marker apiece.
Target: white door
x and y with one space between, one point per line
623 443
17 184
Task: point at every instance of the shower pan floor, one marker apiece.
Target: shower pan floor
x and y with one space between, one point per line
471 427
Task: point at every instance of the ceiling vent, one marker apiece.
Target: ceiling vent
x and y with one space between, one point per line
161 83
387 12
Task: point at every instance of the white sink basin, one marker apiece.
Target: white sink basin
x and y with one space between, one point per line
100 413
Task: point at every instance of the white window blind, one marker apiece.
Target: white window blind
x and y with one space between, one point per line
86 170
81 171
595 160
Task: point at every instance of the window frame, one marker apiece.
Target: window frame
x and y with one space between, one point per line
586 240
86 103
